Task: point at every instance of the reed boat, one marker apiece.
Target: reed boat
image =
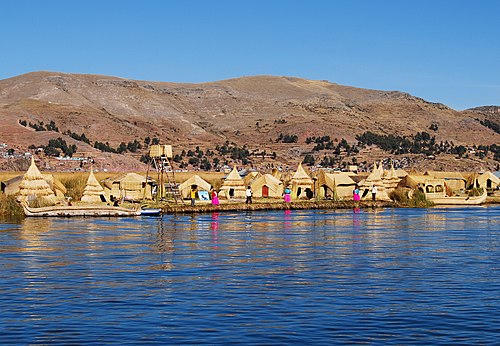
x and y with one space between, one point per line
80 210
459 200
435 191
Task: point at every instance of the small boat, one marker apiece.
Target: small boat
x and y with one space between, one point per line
435 192
80 210
150 211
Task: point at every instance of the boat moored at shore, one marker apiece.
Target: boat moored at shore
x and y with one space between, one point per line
80 210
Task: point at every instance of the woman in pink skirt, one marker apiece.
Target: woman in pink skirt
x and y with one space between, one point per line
287 195
215 198
355 194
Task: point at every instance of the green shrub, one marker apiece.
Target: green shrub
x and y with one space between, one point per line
417 200
477 191
399 195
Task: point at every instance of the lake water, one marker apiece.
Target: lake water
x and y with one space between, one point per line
385 276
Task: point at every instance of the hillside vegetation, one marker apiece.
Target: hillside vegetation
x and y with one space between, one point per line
261 121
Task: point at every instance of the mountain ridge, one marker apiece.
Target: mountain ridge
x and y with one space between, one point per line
249 110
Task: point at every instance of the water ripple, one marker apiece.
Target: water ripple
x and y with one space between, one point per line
391 276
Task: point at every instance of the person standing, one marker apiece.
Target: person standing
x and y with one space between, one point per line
287 195
374 192
215 198
248 193
355 194
194 190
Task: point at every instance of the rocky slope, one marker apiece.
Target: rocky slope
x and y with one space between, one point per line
247 110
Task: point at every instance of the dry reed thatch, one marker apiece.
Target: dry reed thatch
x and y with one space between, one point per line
33 188
233 186
93 190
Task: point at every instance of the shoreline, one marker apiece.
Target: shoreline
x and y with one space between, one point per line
239 206
258 206
296 205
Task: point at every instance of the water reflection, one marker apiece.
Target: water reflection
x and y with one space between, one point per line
214 227
354 276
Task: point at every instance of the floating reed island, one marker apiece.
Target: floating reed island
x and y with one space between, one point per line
258 206
193 192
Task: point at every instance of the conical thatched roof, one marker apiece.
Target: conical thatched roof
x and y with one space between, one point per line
301 177
381 169
233 185
34 186
391 179
234 179
374 179
93 190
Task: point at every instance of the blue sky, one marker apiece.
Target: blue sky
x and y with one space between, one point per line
445 51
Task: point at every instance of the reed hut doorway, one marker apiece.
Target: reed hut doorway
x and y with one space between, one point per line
265 191
231 192
325 191
309 193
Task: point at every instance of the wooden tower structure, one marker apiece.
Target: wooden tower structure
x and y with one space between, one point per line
161 157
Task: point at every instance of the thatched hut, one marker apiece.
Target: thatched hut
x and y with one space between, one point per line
11 186
201 184
233 186
335 185
486 180
33 187
267 186
454 180
302 184
276 173
130 186
374 179
93 192
250 177
489 181
390 180
412 181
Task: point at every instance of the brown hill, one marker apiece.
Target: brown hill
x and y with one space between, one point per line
247 110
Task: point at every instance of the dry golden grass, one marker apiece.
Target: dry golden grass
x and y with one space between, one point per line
9 206
4 176
75 182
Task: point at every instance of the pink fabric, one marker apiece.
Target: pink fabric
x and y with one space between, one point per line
287 198
215 198
356 197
